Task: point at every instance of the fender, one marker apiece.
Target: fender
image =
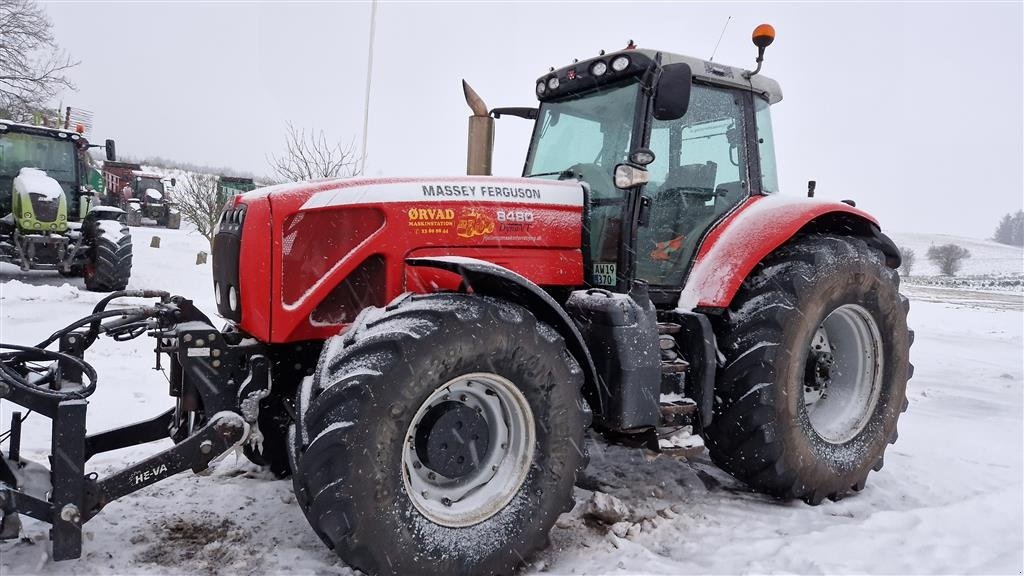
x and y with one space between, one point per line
492 280
756 229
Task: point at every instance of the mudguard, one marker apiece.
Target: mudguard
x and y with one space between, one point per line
492 280
756 229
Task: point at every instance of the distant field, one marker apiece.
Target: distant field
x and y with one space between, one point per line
987 259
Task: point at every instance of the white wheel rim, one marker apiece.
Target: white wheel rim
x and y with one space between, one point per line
846 357
498 473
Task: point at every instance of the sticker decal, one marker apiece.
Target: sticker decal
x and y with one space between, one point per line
473 222
604 273
431 220
476 190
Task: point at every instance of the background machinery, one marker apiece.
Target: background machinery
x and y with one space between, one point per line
52 217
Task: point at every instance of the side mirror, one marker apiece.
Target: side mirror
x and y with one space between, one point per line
174 183
641 156
111 151
673 92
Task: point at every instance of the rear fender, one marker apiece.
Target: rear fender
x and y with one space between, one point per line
492 280
759 227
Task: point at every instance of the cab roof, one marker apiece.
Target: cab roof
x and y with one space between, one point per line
642 58
6 125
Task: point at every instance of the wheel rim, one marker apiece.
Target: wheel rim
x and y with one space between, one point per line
468 449
843 376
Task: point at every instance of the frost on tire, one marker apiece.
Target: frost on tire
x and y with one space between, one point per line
389 407
815 369
108 263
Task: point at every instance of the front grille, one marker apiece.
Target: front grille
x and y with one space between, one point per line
227 246
45 208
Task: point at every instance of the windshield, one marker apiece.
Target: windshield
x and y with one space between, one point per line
146 183
588 134
53 156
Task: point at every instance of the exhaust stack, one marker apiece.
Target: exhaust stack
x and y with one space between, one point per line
481 135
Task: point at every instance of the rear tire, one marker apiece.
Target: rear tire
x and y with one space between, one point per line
108 263
356 451
795 416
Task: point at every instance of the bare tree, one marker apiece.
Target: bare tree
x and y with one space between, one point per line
199 204
33 69
310 155
907 257
948 257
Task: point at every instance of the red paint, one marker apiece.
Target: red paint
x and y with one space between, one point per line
759 226
293 259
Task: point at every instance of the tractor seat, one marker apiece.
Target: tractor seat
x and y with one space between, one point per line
678 202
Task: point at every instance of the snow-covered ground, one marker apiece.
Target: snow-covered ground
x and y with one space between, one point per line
949 499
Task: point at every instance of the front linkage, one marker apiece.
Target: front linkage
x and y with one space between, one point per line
217 377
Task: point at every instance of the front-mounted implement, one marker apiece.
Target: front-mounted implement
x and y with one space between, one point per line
57 383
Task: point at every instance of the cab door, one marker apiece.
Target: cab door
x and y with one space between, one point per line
700 173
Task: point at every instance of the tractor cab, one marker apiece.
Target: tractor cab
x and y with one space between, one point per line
668 146
46 163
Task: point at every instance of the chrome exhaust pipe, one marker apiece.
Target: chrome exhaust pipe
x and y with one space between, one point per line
481 135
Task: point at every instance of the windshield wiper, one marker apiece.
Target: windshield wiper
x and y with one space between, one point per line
566 172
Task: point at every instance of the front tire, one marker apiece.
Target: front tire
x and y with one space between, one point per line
816 362
410 398
108 263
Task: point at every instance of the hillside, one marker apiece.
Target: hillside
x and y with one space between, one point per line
987 257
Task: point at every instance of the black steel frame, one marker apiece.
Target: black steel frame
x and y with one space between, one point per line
218 380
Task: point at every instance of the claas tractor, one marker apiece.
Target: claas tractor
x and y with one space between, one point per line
425 356
141 194
52 216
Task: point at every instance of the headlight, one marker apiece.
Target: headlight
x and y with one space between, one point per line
553 83
599 68
541 88
38 225
216 292
53 226
620 63
232 299
28 214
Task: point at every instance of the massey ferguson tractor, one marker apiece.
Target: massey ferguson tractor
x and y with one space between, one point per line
425 356
52 217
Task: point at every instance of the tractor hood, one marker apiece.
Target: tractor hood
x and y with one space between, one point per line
39 203
321 251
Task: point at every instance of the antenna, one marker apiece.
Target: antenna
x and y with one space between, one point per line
369 77
720 36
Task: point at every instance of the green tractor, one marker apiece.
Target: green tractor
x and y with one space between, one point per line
52 217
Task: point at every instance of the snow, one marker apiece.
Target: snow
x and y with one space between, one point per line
949 499
35 181
154 194
111 230
987 256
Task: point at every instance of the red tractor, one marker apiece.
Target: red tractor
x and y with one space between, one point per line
425 355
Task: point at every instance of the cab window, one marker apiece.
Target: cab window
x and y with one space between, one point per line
698 175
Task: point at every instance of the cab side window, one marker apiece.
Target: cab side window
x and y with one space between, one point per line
699 174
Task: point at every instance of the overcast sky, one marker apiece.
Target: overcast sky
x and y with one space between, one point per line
913 110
